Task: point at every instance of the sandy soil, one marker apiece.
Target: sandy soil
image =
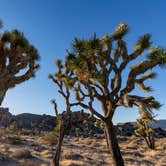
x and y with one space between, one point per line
30 151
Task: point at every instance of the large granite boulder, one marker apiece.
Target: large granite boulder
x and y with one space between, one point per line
5 117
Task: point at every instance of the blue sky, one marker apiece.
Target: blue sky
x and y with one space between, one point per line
51 26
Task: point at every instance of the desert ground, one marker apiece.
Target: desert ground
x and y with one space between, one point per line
32 150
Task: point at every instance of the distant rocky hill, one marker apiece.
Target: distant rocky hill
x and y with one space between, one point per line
42 122
48 123
127 129
160 123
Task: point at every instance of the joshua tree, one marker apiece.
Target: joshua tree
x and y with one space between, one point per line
66 120
17 60
143 128
100 73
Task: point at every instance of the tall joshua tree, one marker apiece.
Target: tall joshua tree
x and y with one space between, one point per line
97 67
67 119
17 60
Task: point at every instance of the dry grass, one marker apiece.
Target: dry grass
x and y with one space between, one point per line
30 151
70 155
72 163
22 154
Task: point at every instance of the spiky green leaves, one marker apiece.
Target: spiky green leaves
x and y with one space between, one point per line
16 38
17 42
59 64
143 129
151 75
140 82
154 104
63 77
18 59
121 31
86 46
158 54
143 42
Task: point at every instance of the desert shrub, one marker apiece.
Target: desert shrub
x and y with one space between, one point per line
22 154
15 139
13 126
77 133
1 134
3 131
69 155
50 138
143 129
25 132
6 148
36 131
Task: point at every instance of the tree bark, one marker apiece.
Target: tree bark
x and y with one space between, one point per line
147 142
113 144
2 95
105 133
58 150
151 141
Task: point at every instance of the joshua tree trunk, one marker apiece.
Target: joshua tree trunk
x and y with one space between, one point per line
113 144
58 150
106 138
150 142
2 95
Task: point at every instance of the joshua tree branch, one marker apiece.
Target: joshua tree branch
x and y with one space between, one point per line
26 76
55 107
137 70
85 106
59 84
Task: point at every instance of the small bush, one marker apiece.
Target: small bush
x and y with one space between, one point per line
50 138
13 126
22 154
15 139
1 134
25 132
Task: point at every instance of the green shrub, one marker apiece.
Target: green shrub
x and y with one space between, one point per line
13 126
15 139
50 138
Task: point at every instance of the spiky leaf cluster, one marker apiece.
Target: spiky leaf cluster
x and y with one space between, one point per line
18 59
143 129
120 31
158 54
143 42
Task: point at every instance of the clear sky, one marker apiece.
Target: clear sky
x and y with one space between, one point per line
51 25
